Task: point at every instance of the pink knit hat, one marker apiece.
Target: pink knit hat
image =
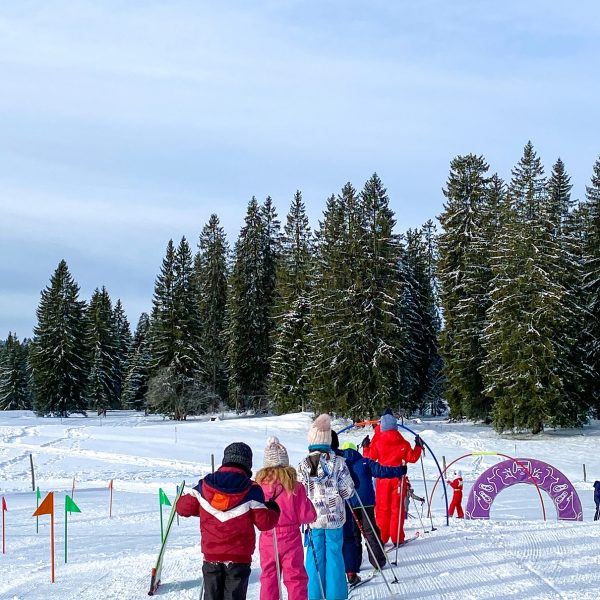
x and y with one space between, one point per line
319 433
275 454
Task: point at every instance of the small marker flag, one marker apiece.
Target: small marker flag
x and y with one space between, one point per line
4 509
164 500
70 505
4 504
46 507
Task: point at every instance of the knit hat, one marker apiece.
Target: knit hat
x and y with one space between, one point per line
348 446
388 411
319 433
388 422
275 454
240 455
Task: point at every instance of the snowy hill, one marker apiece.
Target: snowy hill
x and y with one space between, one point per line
513 555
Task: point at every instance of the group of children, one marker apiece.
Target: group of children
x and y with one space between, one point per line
330 496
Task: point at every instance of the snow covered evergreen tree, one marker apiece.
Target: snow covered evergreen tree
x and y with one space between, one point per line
135 383
210 268
464 278
177 386
123 343
59 355
251 298
522 370
289 381
15 393
102 391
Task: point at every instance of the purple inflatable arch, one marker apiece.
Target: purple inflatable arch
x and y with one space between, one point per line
508 473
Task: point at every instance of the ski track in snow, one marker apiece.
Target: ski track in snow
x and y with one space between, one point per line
514 555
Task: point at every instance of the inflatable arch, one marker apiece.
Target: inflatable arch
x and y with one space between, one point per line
523 470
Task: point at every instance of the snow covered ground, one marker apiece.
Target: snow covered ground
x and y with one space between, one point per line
513 555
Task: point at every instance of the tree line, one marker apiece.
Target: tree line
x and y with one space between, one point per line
495 317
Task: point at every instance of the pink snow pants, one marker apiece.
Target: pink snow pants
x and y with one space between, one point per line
291 560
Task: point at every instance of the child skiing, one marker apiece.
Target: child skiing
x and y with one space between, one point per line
597 499
229 505
279 482
363 470
410 495
456 483
329 484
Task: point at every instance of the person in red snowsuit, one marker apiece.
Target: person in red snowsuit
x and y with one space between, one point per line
390 449
456 483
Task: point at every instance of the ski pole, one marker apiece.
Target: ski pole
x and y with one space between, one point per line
362 506
369 547
427 493
400 515
311 543
418 515
277 564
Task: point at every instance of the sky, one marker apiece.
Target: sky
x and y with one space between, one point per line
124 124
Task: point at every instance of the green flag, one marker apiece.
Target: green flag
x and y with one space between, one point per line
38 494
164 500
70 505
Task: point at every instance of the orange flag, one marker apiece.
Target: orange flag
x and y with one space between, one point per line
46 507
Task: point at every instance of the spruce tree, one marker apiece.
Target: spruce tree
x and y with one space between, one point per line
123 343
177 387
102 390
464 279
15 393
289 381
58 354
250 305
135 383
210 269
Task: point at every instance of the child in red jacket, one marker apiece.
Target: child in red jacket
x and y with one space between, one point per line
280 483
456 483
229 505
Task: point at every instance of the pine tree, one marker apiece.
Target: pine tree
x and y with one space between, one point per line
102 390
591 290
250 305
177 386
464 278
289 381
135 383
522 372
210 268
123 343
15 393
58 354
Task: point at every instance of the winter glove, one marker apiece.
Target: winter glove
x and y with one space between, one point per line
419 441
272 505
366 442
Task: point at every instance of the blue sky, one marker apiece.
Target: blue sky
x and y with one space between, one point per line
124 124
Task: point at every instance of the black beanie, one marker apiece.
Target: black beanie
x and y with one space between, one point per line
239 454
335 441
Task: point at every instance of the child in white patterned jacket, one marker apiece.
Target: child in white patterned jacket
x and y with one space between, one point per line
328 484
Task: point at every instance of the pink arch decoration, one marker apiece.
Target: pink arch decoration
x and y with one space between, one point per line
522 470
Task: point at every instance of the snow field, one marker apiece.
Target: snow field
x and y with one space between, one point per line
513 555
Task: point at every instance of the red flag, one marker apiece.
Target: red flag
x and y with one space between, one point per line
46 507
4 504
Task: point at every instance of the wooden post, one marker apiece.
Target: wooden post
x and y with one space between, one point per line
444 463
584 473
32 472
212 462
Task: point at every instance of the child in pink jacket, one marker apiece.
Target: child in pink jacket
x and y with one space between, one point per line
279 483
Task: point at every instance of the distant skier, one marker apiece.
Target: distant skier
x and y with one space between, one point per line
279 482
229 505
328 484
597 499
390 449
456 483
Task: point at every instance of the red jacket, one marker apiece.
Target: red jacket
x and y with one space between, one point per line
389 448
456 484
229 505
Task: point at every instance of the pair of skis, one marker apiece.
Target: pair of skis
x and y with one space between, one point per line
156 571
406 541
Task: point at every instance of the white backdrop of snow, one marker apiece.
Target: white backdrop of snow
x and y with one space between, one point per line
513 555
